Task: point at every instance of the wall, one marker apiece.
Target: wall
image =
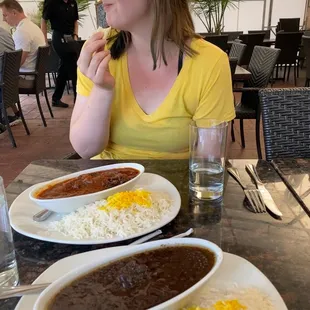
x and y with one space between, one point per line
247 16
240 17
288 8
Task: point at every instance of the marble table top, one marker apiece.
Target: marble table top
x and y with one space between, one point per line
279 248
296 175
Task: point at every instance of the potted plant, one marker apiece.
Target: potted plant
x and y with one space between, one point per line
211 13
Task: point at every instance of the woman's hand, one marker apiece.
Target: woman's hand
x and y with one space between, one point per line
94 62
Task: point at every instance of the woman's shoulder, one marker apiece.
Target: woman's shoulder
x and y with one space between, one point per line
207 53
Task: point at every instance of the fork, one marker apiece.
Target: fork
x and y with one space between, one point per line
252 195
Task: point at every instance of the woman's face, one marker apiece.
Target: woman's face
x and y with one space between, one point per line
125 14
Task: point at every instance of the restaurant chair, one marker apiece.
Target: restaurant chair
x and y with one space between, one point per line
286 122
251 40
289 24
39 84
266 32
9 89
261 67
77 45
220 41
237 51
52 65
302 52
232 35
233 62
289 44
306 45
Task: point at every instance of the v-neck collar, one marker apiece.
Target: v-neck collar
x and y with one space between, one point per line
173 90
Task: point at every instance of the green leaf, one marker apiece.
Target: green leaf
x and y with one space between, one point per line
211 12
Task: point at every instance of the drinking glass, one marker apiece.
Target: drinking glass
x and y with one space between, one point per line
8 266
207 158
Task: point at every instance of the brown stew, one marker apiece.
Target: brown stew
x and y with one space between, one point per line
137 282
88 183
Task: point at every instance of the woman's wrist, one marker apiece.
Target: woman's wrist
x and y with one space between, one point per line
105 92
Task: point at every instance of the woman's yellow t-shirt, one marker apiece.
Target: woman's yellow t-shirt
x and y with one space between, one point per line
202 90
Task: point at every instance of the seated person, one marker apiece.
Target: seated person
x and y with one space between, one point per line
6 45
141 86
27 37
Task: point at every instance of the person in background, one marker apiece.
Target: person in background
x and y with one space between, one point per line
6 45
27 36
142 82
63 16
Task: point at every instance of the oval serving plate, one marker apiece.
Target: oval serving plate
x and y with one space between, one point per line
22 210
70 204
174 303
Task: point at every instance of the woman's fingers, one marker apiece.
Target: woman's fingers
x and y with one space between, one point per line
88 51
95 63
103 66
96 36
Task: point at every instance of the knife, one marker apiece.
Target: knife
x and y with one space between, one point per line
234 173
269 202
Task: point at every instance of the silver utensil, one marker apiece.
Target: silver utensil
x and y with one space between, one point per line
252 195
18 291
42 215
185 234
266 197
147 237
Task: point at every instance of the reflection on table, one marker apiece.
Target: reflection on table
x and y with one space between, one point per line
280 249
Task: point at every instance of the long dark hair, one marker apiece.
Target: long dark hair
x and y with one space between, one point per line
172 21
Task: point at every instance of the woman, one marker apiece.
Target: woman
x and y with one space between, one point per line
139 89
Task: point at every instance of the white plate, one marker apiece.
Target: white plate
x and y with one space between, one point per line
175 303
233 270
22 210
70 204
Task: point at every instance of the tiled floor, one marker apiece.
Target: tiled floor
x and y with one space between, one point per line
52 142
44 142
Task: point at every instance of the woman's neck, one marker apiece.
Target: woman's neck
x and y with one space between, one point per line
141 44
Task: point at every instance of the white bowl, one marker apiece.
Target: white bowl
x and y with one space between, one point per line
70 204
175 303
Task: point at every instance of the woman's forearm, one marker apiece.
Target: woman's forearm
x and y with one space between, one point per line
90 122
76 28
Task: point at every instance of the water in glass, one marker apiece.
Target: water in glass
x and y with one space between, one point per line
206 180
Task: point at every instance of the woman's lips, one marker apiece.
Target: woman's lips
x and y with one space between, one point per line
107 6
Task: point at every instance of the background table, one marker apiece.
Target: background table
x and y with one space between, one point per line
280 249
241 74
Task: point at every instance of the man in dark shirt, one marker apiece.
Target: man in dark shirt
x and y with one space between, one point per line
63 16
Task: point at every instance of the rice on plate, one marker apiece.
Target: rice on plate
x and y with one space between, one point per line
120 215
234 298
